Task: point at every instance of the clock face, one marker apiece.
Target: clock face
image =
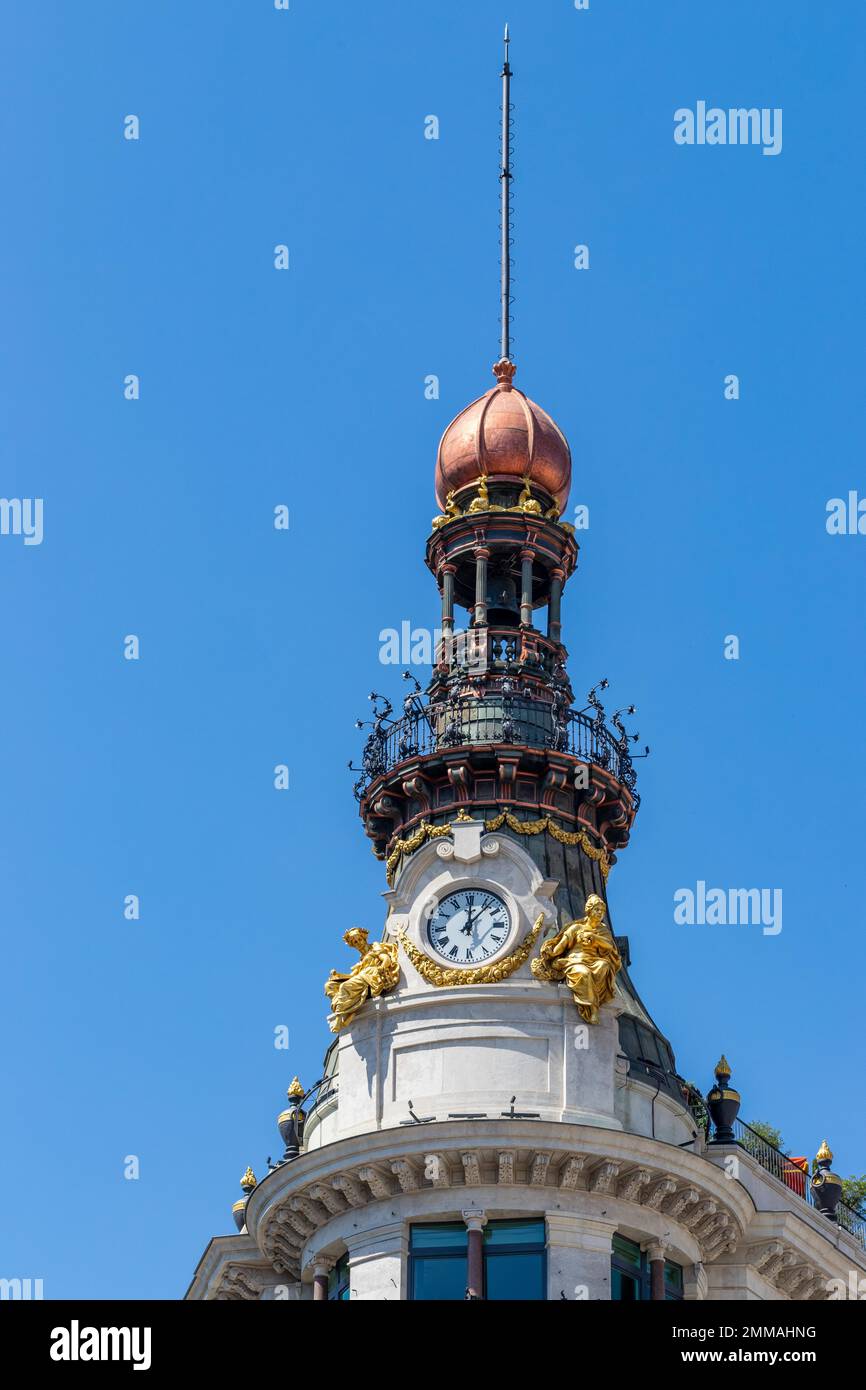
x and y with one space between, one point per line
468 926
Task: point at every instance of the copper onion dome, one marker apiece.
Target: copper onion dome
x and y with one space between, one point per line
503 436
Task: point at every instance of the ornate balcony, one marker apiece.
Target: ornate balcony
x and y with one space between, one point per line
498 717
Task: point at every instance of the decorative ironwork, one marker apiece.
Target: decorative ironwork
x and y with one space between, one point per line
782 1167
507 711
560 713
627 773
374 759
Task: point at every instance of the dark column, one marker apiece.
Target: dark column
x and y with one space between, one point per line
482 555
320 1282
448 600
475 1223
656 1255
554 620
526 558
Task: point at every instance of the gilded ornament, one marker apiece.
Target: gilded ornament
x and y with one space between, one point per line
491 974
565 837
378 970
824 1154
296 1090
482 502
584 957
424 832
452 511
248 1181
526 502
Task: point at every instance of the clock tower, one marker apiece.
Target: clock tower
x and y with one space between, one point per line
499 1116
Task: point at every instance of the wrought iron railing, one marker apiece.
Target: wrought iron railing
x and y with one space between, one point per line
504 714
794 1177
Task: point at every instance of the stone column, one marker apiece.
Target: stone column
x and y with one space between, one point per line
578 1257
656 1252
475 1223
377 1263
554 619
448 572
482 555
321 1270
527 555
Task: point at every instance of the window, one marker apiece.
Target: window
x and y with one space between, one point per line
630 1274
437 1261
338 1281
514 1260
513 1253
626 1271
673 1281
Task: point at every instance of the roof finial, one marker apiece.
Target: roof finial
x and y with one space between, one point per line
505 211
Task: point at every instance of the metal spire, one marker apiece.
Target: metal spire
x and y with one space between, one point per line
505 212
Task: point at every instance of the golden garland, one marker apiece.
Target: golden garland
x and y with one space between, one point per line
441 975
565 837
425 832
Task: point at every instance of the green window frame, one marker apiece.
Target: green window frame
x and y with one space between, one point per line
339 1290
631 1276
514 1260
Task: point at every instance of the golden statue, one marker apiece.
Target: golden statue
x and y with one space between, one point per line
451 511
553 514
482 502
584 956
377 971
526 502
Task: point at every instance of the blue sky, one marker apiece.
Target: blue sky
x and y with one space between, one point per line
306 387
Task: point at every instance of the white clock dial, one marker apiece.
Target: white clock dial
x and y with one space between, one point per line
468 926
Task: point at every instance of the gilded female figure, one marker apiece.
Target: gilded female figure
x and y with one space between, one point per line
585 957
375 972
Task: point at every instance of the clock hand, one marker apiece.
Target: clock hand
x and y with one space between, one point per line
493 924
467 930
